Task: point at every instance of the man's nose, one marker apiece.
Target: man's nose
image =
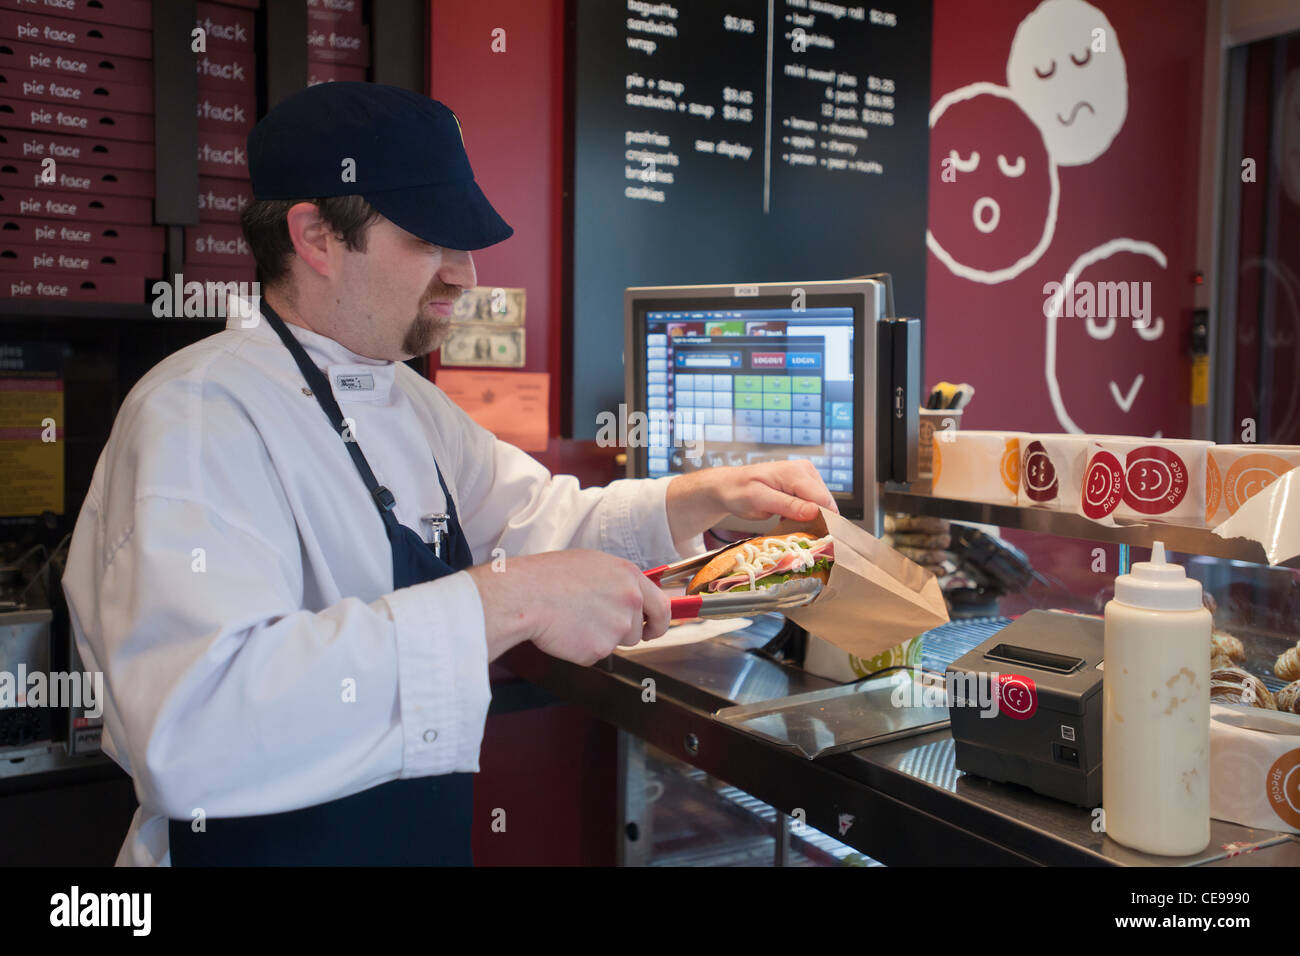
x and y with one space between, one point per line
458 269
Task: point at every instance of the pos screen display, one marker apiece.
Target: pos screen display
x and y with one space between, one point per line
733 382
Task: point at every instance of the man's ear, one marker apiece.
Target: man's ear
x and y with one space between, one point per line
310 235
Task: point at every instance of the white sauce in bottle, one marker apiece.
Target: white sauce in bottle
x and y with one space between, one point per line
1156 711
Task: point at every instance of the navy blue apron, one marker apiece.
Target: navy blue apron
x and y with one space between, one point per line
411 822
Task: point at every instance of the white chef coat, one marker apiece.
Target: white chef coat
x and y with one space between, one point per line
231 577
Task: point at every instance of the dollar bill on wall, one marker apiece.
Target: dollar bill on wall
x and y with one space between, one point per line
484 345
488 304
487 329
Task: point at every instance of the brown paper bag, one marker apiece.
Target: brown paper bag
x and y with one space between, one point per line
875 599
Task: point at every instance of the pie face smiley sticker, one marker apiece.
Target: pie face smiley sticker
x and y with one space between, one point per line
1250 475
1039 473
1016 696
1282 786
1213 488
1103 485
1155 480
1011 465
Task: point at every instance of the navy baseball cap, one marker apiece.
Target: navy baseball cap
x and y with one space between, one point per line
408 160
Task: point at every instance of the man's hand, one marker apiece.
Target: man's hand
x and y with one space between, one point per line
577 605
698 500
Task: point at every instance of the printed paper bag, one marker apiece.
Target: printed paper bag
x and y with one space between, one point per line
875 599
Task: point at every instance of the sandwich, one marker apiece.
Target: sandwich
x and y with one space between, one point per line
766 561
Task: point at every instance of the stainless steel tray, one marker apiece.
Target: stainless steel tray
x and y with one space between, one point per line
839 719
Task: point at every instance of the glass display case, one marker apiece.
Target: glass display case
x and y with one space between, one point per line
698 820
685 816
1077 561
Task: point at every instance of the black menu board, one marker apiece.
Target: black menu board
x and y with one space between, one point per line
741 141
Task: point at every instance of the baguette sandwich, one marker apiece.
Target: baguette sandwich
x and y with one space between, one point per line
766 561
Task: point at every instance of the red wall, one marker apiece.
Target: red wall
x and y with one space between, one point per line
510 107
552 769
1142 187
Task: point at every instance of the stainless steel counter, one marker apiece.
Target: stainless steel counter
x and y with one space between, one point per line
902 802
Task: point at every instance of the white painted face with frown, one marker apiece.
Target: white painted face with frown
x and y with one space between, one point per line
1067 72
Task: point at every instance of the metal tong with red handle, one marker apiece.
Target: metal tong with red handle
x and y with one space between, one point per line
793 593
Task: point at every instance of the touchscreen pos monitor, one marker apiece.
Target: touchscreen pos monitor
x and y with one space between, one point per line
736 374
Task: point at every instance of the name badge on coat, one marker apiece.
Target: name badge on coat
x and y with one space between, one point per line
357 382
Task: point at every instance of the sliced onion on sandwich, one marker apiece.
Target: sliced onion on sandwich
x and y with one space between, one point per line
766 561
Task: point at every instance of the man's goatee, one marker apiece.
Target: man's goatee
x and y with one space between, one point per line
424 335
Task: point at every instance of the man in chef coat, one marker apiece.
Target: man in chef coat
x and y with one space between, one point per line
283 565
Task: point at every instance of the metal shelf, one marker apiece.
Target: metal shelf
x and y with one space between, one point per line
1063 525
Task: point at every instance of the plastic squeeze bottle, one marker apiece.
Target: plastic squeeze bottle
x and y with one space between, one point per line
1156 711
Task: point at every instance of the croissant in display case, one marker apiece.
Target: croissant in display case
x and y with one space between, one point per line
1223 644
1287 666
1288 698
1232 685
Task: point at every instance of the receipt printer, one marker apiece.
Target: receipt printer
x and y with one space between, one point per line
1026 706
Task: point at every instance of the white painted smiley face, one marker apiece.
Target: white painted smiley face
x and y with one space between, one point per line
1100 351
1067 71
994 191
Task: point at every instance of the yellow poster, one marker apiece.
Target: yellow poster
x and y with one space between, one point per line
31 446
